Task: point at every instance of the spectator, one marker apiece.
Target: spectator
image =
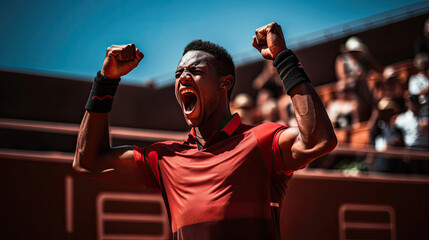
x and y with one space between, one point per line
419 84
413 125
264 96
389 84
269 79
356 66
392 87
343 110
243 105
385 135
270 111
268 86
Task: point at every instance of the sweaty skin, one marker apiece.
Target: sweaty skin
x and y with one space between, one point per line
196 73
206 112
94 156
314 136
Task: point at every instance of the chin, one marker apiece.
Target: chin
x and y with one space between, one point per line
195 117
193 122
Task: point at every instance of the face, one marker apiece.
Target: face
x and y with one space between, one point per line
197 87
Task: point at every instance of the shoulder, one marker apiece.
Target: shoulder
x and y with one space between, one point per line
159 146
268 130
269 127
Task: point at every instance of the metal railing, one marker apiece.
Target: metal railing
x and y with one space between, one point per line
161 135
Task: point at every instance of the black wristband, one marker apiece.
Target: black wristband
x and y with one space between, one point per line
102 93
290 70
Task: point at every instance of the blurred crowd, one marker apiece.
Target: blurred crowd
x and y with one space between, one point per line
390 103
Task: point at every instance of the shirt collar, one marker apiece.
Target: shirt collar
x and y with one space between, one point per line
232 125
229 128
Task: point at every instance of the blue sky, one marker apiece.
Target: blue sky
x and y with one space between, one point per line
70 37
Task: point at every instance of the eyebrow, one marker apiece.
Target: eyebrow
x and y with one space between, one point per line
194 65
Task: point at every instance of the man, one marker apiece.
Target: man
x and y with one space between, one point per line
227 180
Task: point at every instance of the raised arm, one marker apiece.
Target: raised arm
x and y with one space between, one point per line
314 136
94 157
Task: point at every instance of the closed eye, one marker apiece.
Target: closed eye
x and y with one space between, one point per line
196 71
178 73
192 70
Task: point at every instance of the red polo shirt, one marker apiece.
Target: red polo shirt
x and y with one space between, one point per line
230 188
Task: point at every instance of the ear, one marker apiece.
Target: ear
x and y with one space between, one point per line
227 82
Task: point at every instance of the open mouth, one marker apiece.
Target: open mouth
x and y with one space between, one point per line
189 100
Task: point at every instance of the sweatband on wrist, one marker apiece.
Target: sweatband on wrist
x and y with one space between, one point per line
103 91
290 70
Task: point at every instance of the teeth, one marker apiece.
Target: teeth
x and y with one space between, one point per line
189 98
186 90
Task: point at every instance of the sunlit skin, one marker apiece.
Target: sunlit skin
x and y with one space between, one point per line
202 93
197 73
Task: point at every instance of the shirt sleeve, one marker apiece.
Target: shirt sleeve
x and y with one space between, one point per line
147 164
268 135
279 165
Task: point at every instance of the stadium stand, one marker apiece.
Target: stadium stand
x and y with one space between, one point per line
55 203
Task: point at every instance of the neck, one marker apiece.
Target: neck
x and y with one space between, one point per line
213 123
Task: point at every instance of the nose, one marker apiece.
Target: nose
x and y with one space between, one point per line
185 78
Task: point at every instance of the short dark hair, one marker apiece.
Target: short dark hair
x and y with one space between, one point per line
223 58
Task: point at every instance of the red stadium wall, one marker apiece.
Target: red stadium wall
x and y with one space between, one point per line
55 203
44 199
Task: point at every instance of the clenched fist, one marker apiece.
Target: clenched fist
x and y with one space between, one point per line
120 60
269 40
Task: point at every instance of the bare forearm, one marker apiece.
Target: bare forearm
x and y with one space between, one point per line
93 140
94 157
314 136
314 125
